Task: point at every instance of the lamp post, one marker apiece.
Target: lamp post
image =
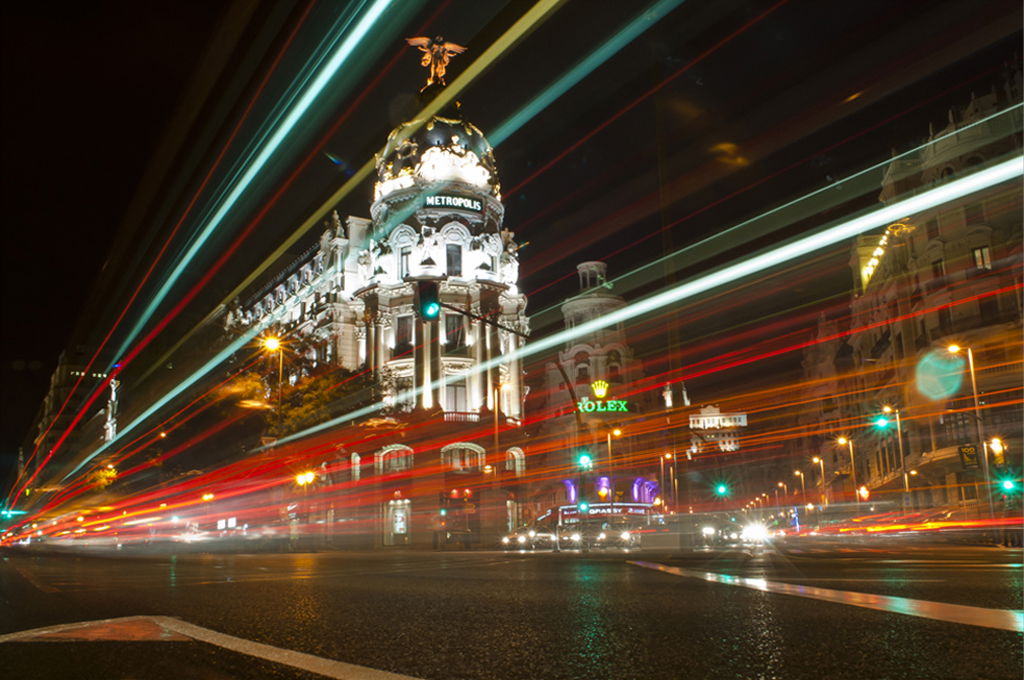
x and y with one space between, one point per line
273 344
672 476
803 486
853 464
785 489
497 409
821 466
906 480
618 433
955 349
903 461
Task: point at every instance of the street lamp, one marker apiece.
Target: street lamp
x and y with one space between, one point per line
618 433
853 464
498 389
273 344
955 349
889 409
821 478
803 485
661 460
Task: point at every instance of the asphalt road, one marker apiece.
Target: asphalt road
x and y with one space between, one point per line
651 615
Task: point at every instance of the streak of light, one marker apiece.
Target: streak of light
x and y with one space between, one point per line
646 95
607 49
338 58
760 226
997 174
522 26
272 68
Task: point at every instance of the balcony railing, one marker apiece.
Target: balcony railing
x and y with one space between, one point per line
461 417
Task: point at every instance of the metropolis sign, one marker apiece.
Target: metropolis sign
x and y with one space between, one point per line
600 404
443 201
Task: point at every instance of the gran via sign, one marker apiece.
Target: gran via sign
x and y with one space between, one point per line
444 201
599 404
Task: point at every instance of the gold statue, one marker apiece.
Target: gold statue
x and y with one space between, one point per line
436 53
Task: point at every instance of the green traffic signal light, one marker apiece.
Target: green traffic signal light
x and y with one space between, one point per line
584 461
721 490
1008 485
427 299
583 506
881 422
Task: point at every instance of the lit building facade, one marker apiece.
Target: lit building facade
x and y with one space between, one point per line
951 276
437 215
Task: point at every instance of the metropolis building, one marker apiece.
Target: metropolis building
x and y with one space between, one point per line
437 215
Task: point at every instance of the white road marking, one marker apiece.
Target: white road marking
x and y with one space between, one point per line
35 580
1002 619
330 668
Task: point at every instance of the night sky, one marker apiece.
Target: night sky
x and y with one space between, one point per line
90 89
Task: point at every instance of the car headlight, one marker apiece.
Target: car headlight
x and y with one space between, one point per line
601 536
575 538
521 539
504 539
625 535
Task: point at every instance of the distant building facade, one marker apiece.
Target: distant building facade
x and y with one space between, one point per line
949 276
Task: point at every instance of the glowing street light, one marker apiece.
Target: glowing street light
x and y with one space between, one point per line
882 423
304 478
803 485
848 443
273 344
821 478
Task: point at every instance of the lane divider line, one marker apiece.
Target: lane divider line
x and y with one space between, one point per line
339 670
1002 619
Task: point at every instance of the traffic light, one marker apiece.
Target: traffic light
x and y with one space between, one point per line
721 490
428 303
583 507
584 461
1008 486
881 422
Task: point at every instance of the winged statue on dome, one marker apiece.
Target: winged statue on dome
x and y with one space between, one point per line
436 53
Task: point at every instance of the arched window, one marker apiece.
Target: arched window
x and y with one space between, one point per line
515 461
614 366
582 368
393 458
462 457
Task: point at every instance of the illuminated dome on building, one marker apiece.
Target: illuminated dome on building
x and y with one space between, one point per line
442 150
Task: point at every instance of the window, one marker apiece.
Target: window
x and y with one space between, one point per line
982 257
403 262
462 457
614 366
945 321
405 399
454 331
403 334
974 214
988 307
394 458
355 467
938 269
933 229
582 368
455 396
454 257
515 461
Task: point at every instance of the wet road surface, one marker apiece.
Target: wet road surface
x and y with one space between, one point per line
530 615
